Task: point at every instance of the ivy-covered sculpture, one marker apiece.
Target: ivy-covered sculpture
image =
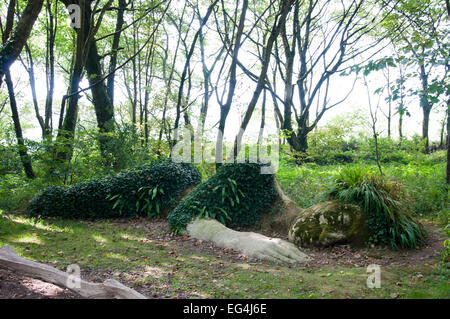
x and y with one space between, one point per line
147 191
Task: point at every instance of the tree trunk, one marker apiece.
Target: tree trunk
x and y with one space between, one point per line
389 115
425 127
12 48
448 142
426 106
24 157
67 133
225 108
110 288
31 76
400 126
276 29
101 99
50 67
115 47
301 141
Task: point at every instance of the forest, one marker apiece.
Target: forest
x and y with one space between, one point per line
243 149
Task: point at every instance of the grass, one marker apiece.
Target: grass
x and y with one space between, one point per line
309 184
160 266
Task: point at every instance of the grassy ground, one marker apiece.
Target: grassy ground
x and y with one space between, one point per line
160 265
163 266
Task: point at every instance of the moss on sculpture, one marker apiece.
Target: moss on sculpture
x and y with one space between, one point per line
330 223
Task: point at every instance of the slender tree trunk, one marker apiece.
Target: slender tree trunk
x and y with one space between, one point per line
206 79
134 103
115 48
163 128
389 115
32 78
276 29
50 67
12 48
288 85
24 157
377 152
442 133
448 142
186 68
101 99
263 119
373 116
426 107
425 126
448 119
400 126
66 134
225 108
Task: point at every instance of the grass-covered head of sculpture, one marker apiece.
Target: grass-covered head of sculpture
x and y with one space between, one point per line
142 191
236 196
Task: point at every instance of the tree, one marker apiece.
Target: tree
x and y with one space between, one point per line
23 153
424 42
186 67
322 42
374 118
233 47
11 49
278 25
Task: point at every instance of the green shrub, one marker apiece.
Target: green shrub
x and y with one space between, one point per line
307 184
143 191
385 205
236 196
16 191
9 160
425 183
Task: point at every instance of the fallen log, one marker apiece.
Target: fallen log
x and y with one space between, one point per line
110 288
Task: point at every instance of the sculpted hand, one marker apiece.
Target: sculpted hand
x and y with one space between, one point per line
250 244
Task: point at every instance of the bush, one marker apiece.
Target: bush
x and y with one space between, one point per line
236 196
9 160
16 191
425 183
385 205
313 180
143 191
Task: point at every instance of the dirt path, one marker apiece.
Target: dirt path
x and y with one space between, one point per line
13 286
